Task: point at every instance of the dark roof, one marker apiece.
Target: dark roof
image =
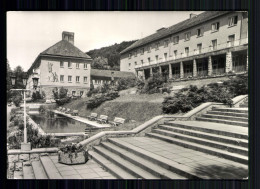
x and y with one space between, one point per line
176 28
107 73
62 48
65 48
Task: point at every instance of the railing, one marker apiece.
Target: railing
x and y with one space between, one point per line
189 74
239 68
218 71
228 44
176 76
202 73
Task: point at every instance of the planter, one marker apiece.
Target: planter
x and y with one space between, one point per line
73 158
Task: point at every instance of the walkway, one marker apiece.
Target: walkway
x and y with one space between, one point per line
83 120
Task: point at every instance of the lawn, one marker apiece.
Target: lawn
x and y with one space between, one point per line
135 108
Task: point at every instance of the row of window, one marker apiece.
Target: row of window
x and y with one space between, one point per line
232 21
99 81
214 44
85 79
74 93
62 63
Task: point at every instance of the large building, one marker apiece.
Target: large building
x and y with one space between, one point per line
208 44
62 65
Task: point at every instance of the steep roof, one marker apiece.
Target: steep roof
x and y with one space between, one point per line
107 73
65 48
176 28
62 48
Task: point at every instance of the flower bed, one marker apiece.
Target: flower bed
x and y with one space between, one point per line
72 155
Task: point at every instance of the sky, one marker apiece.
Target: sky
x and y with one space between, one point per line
30 33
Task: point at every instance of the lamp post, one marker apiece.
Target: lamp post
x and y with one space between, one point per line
24 146
112 78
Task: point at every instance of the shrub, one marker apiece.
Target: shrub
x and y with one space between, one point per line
238 85
36 96
99 99
189 98
153 84
140 84
125 83
59 93
42 109
63 101
17 100
63 93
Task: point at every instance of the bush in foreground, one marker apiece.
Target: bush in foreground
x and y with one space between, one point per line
189 98
152 84
97 100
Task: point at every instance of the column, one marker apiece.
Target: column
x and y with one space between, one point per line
194 68
181 70
228 62
170 71
151 72
247 60
160 70
136 73
209 66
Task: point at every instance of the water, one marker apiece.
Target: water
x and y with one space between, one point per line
60 124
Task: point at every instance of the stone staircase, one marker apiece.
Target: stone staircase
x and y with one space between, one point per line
214 146
31 166
220 135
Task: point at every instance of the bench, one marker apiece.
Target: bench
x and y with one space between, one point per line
93 116
117 121
75 113
102 119
67 111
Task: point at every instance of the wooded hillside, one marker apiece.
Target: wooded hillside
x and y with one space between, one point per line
108 57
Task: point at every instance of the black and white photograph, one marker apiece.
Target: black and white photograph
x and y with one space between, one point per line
127 95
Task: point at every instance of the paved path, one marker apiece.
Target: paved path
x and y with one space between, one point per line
83 120
89 170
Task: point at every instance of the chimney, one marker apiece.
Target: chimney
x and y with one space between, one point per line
192 15
163 28
68 36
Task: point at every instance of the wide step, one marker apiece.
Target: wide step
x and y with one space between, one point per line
214 144
150 167
237 110
206 135
179 169
130 167
222 117
234 114
202 148
113 168
38 170
235 123
50 168
211 127
28 171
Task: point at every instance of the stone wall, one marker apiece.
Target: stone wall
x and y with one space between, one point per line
228 61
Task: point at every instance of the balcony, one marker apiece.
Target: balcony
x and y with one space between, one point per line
222 46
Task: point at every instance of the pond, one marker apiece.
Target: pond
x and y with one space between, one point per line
60 124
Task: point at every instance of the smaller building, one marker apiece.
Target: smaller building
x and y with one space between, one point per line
61 65
99 77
